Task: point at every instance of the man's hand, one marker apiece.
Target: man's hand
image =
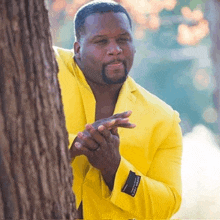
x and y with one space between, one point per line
100 143
117 120
102 150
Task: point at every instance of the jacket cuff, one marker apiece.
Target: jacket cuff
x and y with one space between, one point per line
121 178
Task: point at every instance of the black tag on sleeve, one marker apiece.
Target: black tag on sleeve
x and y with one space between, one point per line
131 184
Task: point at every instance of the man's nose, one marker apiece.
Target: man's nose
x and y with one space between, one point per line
114 49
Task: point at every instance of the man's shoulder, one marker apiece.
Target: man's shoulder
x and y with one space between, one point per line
64 58
150 101
64 55
59 51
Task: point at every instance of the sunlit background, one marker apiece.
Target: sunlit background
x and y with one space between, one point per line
173 62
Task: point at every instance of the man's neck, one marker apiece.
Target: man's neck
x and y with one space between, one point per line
107 92
106 97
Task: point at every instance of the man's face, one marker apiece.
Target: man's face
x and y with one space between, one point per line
105 52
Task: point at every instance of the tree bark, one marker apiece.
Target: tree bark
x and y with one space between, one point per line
213 16
35 173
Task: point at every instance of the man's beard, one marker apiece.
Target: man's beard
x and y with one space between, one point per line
109 81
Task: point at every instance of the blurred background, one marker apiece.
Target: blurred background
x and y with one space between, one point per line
173 61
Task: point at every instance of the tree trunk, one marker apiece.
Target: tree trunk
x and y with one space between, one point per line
213 16
35 173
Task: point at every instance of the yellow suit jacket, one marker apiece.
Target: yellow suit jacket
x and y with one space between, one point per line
152 150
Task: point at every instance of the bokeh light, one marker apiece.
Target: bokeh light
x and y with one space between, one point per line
192 34
59 5
210 115
201 79
147 14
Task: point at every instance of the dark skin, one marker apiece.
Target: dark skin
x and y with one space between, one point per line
100 143
106 47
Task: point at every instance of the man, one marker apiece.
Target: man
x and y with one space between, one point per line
121 170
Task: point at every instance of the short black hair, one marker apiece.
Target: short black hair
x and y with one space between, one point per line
92 8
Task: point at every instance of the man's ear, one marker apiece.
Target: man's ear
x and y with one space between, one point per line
76 47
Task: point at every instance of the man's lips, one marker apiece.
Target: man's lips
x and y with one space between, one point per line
113 66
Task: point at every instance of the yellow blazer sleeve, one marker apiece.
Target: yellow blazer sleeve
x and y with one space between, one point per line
158 194
71 139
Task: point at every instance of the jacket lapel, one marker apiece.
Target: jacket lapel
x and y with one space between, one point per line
87 96
126 99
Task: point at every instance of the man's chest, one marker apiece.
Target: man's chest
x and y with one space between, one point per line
104 110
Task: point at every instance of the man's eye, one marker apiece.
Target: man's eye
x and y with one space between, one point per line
123 39
101 41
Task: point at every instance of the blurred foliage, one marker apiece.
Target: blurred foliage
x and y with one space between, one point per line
181 75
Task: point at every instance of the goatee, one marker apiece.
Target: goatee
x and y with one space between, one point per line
109 81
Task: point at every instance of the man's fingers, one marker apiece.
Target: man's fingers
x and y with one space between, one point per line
128 125
107 133
83 150
99 139
104 131
122 115
87 141
124 123
115 131
114 122
121 118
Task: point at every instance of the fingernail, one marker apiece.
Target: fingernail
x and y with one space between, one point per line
101 128
80 134
87 126
77 145
112 122
125 119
